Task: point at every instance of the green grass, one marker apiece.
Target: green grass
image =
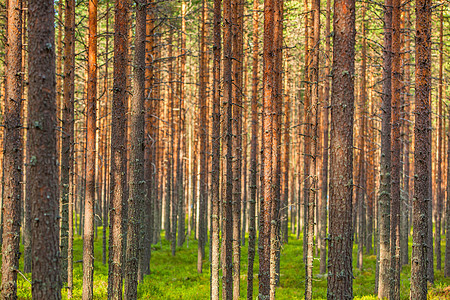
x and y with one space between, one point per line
177 277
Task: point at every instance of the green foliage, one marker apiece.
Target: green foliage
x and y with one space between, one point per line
177 277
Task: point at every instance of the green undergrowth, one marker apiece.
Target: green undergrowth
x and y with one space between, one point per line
177 277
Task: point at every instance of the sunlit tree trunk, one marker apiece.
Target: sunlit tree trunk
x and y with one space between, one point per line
91 128
361 189
439 190
13 152
325 126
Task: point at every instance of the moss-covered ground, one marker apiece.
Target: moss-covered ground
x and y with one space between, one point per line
177 277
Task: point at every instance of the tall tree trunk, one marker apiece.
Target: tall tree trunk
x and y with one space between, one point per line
67 142
43 176
137 187
396 77
215 162
118 152
227 216
151 129
440 192
406 204
268 143
237 52
385 161
253 154
341 152
313 136
361 189
91 126
182 113
325 126
13 152
422 151
203 134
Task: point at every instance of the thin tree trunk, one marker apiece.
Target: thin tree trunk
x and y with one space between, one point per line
237 52
361 189
13 152
215 162
440 192
325 125
394 290
67 142
385 161
253 155
227 219
91 124
313 134
202 238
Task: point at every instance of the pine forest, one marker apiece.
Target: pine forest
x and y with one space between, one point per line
225 149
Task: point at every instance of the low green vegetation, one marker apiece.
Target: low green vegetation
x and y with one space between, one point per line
177 278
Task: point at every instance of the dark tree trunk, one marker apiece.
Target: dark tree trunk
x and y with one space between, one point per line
394 290
215 162
227 276
341 152
137 186
67 145
43 171
253 154
383 258
118 152
237 52
422 151
203 134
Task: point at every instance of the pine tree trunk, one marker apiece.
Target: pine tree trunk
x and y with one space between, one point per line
237 52
227 216
385 161
440 192
341 153
67 144
13 152
253 154
89 201
215 162
118 152
43 175
394 290
203 134
137 186
422 151
325 126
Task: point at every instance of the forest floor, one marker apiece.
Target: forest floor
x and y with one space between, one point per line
177 277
